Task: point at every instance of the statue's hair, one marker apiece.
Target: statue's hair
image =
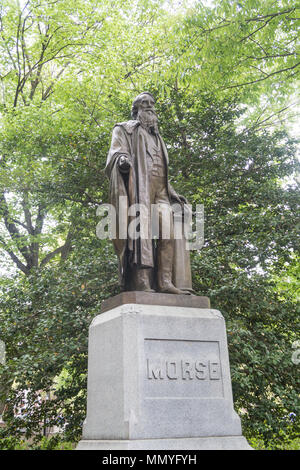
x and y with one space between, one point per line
137 99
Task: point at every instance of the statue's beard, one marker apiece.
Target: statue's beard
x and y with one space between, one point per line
148 120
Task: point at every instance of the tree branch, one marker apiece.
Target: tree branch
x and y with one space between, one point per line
40 219
272 15
15 259
63 250
256 30
13 231
261 79
27 214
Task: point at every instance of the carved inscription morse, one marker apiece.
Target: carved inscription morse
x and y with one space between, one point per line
183 370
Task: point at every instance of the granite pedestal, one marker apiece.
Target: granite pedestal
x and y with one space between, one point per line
158 377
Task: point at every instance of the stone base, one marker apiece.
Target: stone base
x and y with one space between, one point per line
201 443
159 377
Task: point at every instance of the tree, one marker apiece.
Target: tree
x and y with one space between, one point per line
48 51
244 48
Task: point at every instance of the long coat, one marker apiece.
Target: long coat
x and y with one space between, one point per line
128 138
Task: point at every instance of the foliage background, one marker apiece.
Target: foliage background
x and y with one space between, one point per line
224 75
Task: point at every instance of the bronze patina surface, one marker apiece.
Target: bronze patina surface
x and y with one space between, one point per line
137 166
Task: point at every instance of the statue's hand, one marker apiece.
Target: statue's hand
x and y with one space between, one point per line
182 199
124 163
176 197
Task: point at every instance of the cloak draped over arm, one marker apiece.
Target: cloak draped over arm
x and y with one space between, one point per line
120 145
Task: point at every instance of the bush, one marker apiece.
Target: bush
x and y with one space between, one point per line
52 443
278 442
12 443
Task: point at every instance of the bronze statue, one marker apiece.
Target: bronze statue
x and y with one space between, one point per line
137 166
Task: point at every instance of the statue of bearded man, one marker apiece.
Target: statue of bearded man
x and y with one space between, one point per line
137 166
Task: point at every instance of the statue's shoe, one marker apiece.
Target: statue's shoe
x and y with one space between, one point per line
187 292
170 289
